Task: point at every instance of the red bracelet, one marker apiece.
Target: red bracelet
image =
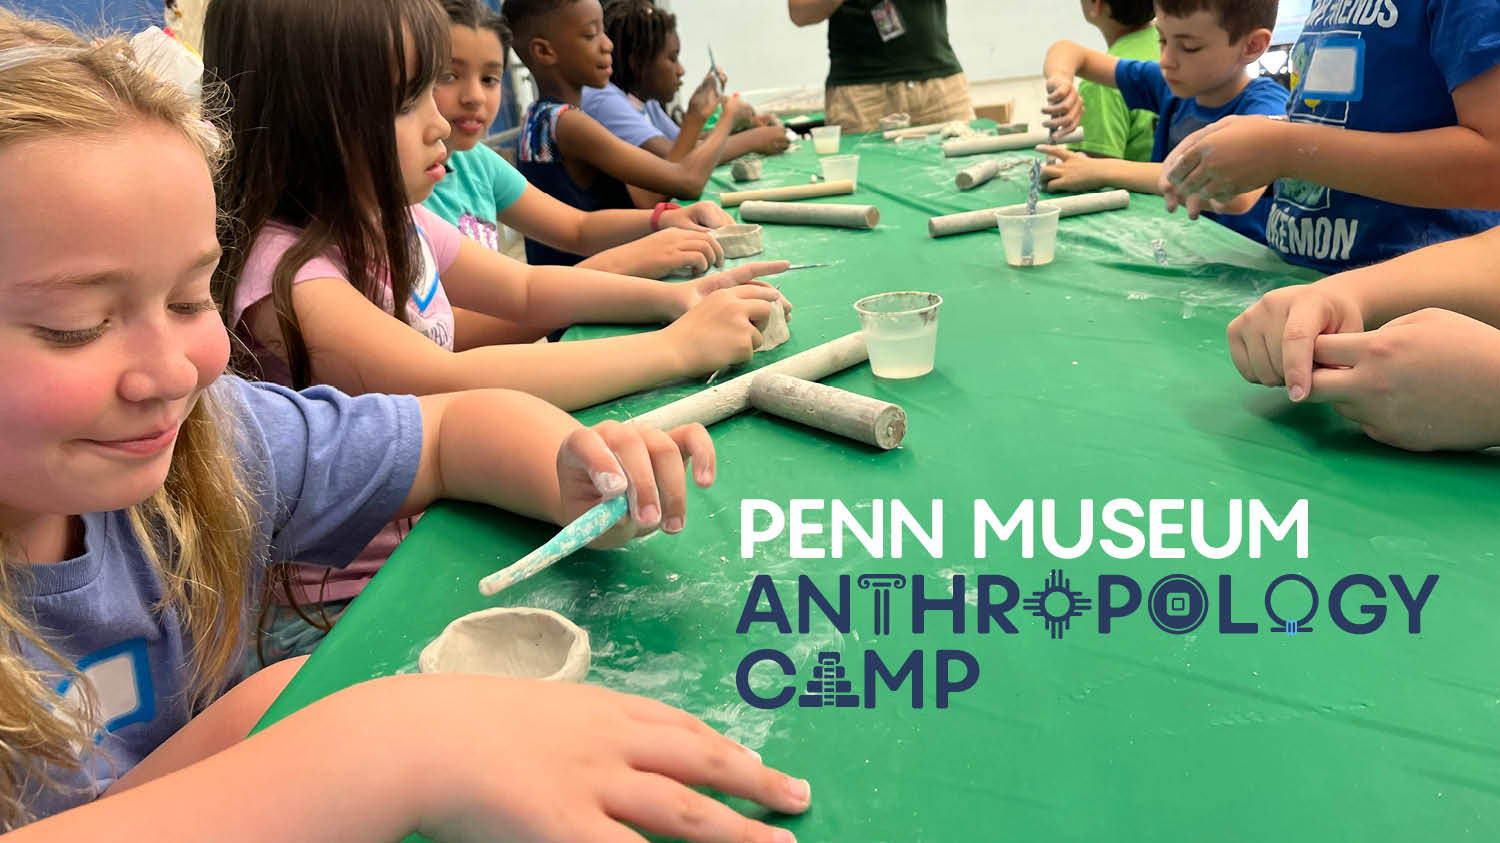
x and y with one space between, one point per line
661 208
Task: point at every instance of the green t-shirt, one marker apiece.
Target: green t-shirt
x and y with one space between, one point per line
1109 128
857 55
481 186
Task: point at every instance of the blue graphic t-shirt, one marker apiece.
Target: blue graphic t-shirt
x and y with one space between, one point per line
327 472
1379 66
1142 86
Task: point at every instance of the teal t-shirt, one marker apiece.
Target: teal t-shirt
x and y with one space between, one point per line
1109 128
481 186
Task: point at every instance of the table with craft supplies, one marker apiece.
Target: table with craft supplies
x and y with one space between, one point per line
1216 711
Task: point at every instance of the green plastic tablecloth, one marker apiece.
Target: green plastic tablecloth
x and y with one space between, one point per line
1101 376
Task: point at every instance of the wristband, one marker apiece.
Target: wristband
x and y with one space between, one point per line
661 208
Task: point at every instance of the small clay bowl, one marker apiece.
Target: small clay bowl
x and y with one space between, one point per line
523 643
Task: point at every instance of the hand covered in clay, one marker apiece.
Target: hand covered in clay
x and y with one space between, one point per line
543 761
1427 381
705 97
1272 341
647 465
1234 155
1074 172
1064 105
761 120
699 216
691 293
660 253
724 328
768 140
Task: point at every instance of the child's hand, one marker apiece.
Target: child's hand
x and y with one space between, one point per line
693 292
1064 104
768 140
699 216
542 761
706 97
1233 155
722 329
1272 341
765 120
599 462
1074 172
1423 382
659 254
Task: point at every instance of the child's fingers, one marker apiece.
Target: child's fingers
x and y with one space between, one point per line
1336 386
759 268
630 450
585 450
1061 153
720 763
697 448
670 477
662 806
1239 352
1305 321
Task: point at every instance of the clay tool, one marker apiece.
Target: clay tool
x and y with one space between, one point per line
972 177
1067 206
713 67
804 266
849 414
732 396
1004 143
796 191
791 213
584 529
1036 183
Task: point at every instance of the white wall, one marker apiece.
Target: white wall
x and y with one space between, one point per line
759 46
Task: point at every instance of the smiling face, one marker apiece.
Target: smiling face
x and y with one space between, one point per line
468 92
1197 57
108 334
582 52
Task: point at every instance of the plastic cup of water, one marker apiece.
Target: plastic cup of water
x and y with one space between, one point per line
841 167
1030 239
900 332
826 139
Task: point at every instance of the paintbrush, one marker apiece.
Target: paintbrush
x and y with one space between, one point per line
1027 258
584 529
803 266
713 67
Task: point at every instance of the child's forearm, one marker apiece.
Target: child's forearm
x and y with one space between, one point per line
687 136
1134 176
1067 59
570 375
354 779
568 295
561 226
493 446
702 160
1459 275
1451 167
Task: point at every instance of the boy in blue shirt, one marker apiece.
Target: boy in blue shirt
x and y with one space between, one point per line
1205 48
1393 122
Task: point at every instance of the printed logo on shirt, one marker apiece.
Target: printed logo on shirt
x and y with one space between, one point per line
888 21
1381 13
427 275
486 234
120 676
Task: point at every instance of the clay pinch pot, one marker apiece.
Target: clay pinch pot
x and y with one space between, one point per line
747 169
740 240
522 643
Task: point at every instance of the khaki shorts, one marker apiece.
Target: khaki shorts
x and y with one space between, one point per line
858 108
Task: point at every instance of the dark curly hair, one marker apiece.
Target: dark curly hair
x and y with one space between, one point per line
639 31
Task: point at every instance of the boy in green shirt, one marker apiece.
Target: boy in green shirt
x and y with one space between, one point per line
1110 130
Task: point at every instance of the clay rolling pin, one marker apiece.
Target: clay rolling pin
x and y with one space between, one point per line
859 417
1067 206
796 191
792 213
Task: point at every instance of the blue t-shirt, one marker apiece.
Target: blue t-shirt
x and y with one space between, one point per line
1142 86
1386 66
327 471
614 110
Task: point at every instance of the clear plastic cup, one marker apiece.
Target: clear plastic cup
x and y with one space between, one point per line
900 332
1030 239
826 139
840 167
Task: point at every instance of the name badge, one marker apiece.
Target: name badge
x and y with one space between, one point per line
888 20
1336 71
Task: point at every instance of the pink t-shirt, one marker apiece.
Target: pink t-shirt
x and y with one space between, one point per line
428 311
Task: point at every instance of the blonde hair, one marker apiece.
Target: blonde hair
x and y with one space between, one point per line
196 530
